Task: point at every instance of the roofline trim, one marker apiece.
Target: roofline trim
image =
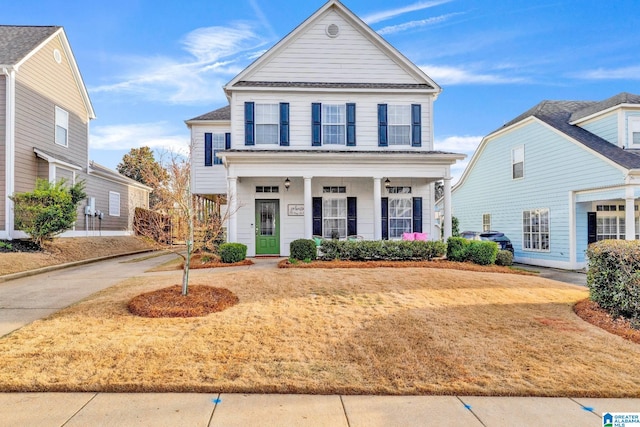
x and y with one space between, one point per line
603 112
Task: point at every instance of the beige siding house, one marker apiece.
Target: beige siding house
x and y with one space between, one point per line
45 112
329 134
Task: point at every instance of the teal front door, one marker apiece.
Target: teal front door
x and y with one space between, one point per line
267 227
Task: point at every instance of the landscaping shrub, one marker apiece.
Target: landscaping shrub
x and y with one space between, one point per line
504 258
613 277
457 249
303 249
232 252
377 250
48 210
482 252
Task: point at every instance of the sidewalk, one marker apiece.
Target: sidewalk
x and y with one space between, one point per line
29 298
194 410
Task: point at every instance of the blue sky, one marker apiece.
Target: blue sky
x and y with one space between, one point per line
150 65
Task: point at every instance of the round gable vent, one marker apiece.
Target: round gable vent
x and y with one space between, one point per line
57 56
333 30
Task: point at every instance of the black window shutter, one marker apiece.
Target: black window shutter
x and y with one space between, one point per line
352 216
316 124
317 216
208 149
351 125
249 132
417 214
385 218
416 125
284 124
227 141
382 125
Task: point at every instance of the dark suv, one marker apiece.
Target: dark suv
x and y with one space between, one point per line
495 236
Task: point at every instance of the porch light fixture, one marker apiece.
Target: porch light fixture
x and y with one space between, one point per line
387 183
287 184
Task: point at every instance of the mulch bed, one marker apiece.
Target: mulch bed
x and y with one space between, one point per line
437 263
591 312
169 302
19 246
212 261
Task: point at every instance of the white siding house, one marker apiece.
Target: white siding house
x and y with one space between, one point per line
330 132
558 177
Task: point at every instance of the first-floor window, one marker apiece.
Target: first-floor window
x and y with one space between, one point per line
486 222
610 227
535 230
400 217
114 203
334 218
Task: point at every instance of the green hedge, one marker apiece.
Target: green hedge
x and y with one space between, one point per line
380 250
481 252
303 249
232 252
504 258
613 277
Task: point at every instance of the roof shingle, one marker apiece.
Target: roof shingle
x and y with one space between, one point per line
16 41
223 113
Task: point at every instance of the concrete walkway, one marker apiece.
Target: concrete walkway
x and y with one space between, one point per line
29 298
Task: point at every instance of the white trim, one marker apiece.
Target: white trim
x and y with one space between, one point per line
10 147
564 265
621 128
604 112
573 230
539 212
52 160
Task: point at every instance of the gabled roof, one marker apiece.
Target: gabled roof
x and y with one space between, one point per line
16 42
558 115
241 79
221 114
614 101
105 172
19 42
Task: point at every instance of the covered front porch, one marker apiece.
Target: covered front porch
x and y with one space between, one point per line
283 196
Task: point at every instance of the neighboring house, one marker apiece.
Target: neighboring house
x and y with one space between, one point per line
329 133
44 133
556 178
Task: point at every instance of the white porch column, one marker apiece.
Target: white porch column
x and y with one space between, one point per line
232 229
377 209
447 208
630 214
308 208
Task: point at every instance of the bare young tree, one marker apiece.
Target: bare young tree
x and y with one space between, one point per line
181 216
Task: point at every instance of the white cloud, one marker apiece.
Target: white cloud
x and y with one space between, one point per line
458 144
391 29
458 76
624 73
392 13
216 54
159 136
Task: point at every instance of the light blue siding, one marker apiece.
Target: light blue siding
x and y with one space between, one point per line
553 167
606 127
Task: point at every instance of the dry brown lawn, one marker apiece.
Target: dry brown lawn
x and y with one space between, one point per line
319 331
64 250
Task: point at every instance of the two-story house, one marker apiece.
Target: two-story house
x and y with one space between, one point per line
45 112
329 133
556 178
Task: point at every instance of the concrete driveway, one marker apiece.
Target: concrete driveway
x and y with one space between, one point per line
30 298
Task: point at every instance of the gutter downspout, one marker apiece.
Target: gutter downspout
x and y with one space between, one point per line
10 144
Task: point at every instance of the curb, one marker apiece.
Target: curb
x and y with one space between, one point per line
21 274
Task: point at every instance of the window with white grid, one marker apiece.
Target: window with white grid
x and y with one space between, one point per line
267 122
400 217
399 122
334 118
334 217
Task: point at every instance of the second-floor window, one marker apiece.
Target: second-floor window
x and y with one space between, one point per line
517 162
214 142
399 117
267 122
62 127
333 124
